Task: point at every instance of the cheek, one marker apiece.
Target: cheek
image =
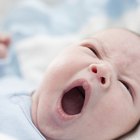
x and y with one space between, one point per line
67 64
113 114
44 111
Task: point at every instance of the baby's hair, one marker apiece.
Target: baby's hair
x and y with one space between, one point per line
137 34
133 32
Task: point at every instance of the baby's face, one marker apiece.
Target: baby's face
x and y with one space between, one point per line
91 91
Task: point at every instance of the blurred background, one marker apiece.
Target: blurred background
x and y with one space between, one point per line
71 16
41 28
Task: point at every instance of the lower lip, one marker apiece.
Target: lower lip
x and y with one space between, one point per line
59 111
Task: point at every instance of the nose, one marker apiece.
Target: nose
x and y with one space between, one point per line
102 72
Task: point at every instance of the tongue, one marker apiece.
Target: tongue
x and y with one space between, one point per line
72 101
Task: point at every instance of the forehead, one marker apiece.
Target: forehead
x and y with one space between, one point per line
122 46
119 42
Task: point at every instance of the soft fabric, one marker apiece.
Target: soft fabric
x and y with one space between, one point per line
15 108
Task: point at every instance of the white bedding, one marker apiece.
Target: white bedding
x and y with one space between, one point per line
35 53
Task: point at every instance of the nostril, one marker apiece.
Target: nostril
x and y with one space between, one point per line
94 69
103 80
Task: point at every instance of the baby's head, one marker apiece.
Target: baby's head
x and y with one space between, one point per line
91 90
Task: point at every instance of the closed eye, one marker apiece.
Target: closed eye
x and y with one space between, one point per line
94 51
126 86
92 48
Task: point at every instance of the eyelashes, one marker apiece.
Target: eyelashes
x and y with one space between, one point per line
91 48
94 51
126 85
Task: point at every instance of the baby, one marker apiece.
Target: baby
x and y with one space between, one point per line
89 92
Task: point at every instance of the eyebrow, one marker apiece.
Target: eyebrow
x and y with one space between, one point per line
133 32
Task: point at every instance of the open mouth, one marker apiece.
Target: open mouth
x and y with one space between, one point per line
73 100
